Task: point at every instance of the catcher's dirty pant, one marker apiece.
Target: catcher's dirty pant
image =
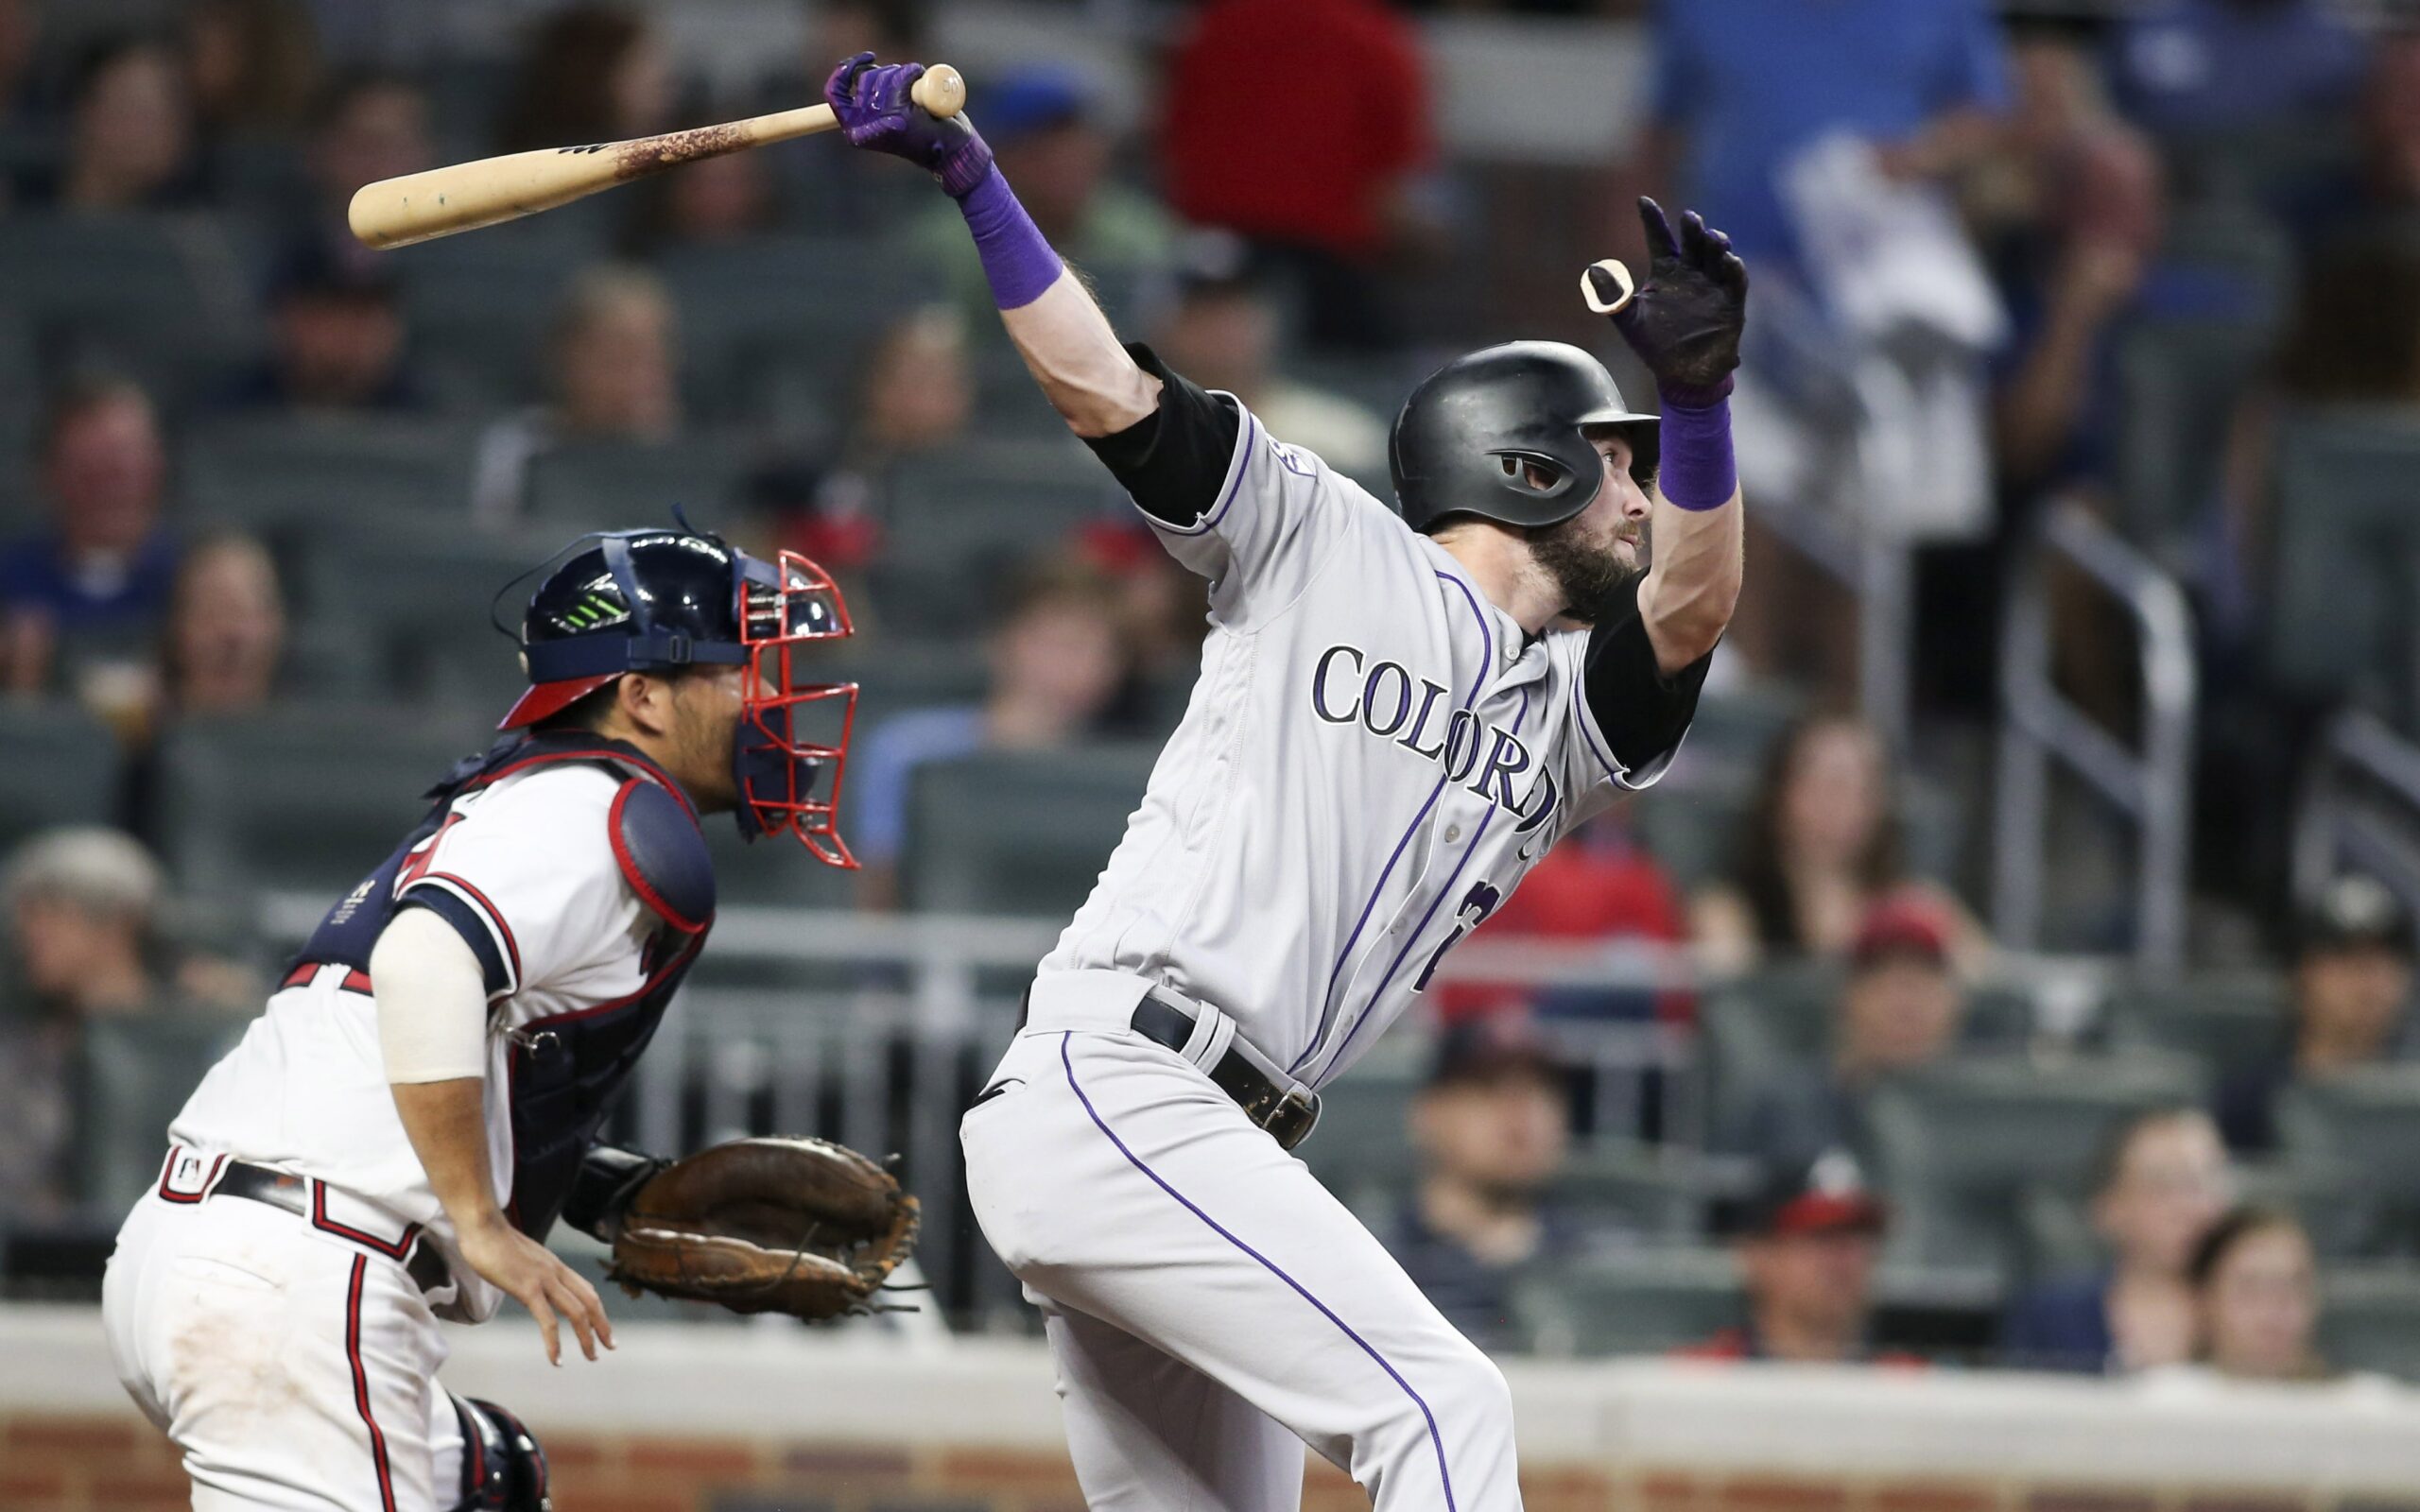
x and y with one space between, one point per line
1212 1308
294 1367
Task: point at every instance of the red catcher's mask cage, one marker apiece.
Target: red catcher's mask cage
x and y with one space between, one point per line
794 729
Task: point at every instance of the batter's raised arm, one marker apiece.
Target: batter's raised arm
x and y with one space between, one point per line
1684 322
1057 327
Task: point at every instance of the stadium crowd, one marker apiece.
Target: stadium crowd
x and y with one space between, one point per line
2136 256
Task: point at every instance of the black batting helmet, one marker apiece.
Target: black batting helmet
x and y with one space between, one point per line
1463 438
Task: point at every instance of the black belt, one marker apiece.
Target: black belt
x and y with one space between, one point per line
292 1192
1288 1115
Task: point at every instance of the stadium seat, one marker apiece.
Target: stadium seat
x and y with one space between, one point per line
159 297
2233 1025
287 473
1693 824
303 798
2347 527
1022 833
2370 1320
416 596
132 1073
480 308
62 766
2360 1130
963 521
1663 1195
1956 1146
1362 1148
2182 381
1646 1303
748 307
600 485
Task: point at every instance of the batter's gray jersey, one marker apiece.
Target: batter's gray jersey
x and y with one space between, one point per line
1373 759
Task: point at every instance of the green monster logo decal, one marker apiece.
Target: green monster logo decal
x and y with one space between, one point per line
592 612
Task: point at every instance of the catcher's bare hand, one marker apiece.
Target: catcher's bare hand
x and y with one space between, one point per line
530 1273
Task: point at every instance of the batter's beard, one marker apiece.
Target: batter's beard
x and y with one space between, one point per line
1591 577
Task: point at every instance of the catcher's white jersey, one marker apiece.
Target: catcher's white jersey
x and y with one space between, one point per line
1373 759
528 859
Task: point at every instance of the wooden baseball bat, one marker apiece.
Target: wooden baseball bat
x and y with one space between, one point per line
419 207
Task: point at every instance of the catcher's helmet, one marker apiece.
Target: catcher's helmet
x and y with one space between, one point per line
658 600
1460 444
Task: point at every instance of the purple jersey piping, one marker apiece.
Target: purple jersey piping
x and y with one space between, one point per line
1436 1440
1367 1011
1487 664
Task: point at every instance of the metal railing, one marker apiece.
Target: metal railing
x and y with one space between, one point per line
2360 807
2151 787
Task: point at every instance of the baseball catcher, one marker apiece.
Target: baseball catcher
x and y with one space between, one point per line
421 1100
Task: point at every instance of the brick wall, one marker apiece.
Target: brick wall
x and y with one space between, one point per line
113 1464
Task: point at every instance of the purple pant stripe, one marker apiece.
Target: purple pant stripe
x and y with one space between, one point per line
1436 1440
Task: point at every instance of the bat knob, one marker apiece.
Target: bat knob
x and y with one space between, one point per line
940 90
1622 280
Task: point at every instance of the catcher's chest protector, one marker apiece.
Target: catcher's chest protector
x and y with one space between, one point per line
563 1074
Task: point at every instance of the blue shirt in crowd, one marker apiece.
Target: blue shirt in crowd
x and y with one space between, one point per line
2187 67
1751 82
92 599
2060 1325
883 772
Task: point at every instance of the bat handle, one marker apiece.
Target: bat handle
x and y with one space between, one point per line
940 90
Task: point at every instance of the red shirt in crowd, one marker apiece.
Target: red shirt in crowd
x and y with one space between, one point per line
1596 886
1288 120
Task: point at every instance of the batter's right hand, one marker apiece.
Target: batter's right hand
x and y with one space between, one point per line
877 112
531 1274
1685 321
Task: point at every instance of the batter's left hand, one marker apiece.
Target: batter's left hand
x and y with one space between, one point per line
1685 321
877 112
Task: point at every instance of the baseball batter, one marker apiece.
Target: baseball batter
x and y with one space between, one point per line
1399 710
394 1136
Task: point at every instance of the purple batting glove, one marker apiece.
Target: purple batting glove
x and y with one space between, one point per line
875 111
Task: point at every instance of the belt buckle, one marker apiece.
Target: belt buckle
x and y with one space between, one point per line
1293 1117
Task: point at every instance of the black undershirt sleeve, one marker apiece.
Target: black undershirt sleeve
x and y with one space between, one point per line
1643 712
1174 459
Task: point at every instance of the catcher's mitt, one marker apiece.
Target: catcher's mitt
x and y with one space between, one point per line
797 1226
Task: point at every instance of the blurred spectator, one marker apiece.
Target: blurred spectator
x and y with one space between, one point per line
1056 665
615 363
710 202
225 639
864 191
1820 848
20 32
917 393
371 126
588 74
1490 1130
335 341
253 65
2255 1285
2200 68
1042 122
2159 1184
890 30
1899 1009
96 576
2352 992
1597 885
1163 615
2072 216
1337 92
130 142
1223 335
82 906
1806 1246
1742 87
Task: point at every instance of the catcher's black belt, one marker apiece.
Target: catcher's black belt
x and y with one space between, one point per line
1275 1103
292 1192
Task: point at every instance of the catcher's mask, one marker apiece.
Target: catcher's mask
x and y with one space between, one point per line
625 601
